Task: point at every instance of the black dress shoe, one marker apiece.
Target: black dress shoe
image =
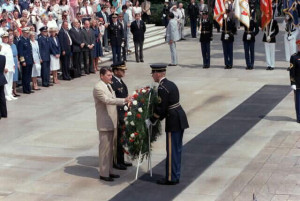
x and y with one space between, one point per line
229 67
127 164
120 167
166 182
45 85
268 68
298 121
26 92
106 178
114 176
137 61
226 67
172 64
142 60
31 91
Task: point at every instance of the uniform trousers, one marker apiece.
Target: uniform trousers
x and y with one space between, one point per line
77 62
205 48
120 152
181 30
88 62
138 48
270 54
174 59
116 52
124 51
3 109
26 77
128 38
106 152
249 53
8 87
65 65
174 149
105 39
290 47
297 103
193 27
228 52
45 73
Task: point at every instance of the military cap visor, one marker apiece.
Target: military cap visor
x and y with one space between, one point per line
158 68
114 16
119 65
26 30
45 28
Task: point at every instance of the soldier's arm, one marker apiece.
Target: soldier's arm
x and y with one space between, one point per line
21 52
292 70
160 111
256 29
276 31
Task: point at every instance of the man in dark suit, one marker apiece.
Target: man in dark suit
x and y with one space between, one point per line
88 40
44 47
138 30
77 45
121 91
26 60
176 122
3 109
65 44
193 12
116 38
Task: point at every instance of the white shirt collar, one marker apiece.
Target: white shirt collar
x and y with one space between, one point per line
161 80
119 79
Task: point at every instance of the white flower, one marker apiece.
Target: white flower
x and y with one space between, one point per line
134 102
144 91
129 114
132 123
140 110
125 108
132 135
126 122
134 92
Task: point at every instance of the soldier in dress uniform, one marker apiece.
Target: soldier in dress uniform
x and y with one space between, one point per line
227 38
44 46
206 35
116 38
290 36
26 60
121 91
295 78
176 121
269 38
3 108
249 43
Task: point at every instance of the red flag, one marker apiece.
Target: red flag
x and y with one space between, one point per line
219 10
266 12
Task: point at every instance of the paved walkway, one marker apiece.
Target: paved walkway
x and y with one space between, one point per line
49 143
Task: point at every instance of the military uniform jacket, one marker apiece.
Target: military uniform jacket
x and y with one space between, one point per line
295 69
25 51
44 46
169 107
115 34
206 34
2 66
228 28
253 31
272 32
121 91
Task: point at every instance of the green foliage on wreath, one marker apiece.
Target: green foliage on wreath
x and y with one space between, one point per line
135 133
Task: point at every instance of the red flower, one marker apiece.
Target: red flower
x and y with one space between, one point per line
137 91
138 116
126 152
135 96
125 114
142 100
123 127
136 133
131 140
121 140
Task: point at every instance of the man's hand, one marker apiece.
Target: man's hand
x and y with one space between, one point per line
268 38
64 53
23 64
170 42
294 87
128 99
148 123
5 70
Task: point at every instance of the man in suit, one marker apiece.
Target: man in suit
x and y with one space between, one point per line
138 29
107 120
146 5
249 42
227 38
121 91
206 36
44 47
3 109
26 60
172 35
88 40
176 122
65 45
269 38
116 38
124 45
193 12
77 45
103 14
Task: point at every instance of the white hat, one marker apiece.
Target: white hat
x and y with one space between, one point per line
4 34
166 1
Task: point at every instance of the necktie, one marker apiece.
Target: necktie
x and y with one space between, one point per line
138 23
87 11
109 88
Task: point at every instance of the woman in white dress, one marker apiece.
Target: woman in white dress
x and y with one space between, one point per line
36 68
54 53
136 9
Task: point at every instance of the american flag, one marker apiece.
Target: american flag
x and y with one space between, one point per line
219 10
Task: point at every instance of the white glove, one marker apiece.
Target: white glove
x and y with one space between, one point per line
164 15
290 38
199 32
268 38
225 16
226 36
248 36
294 87
148 123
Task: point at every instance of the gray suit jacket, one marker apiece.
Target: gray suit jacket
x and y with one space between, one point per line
88 38
172 32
